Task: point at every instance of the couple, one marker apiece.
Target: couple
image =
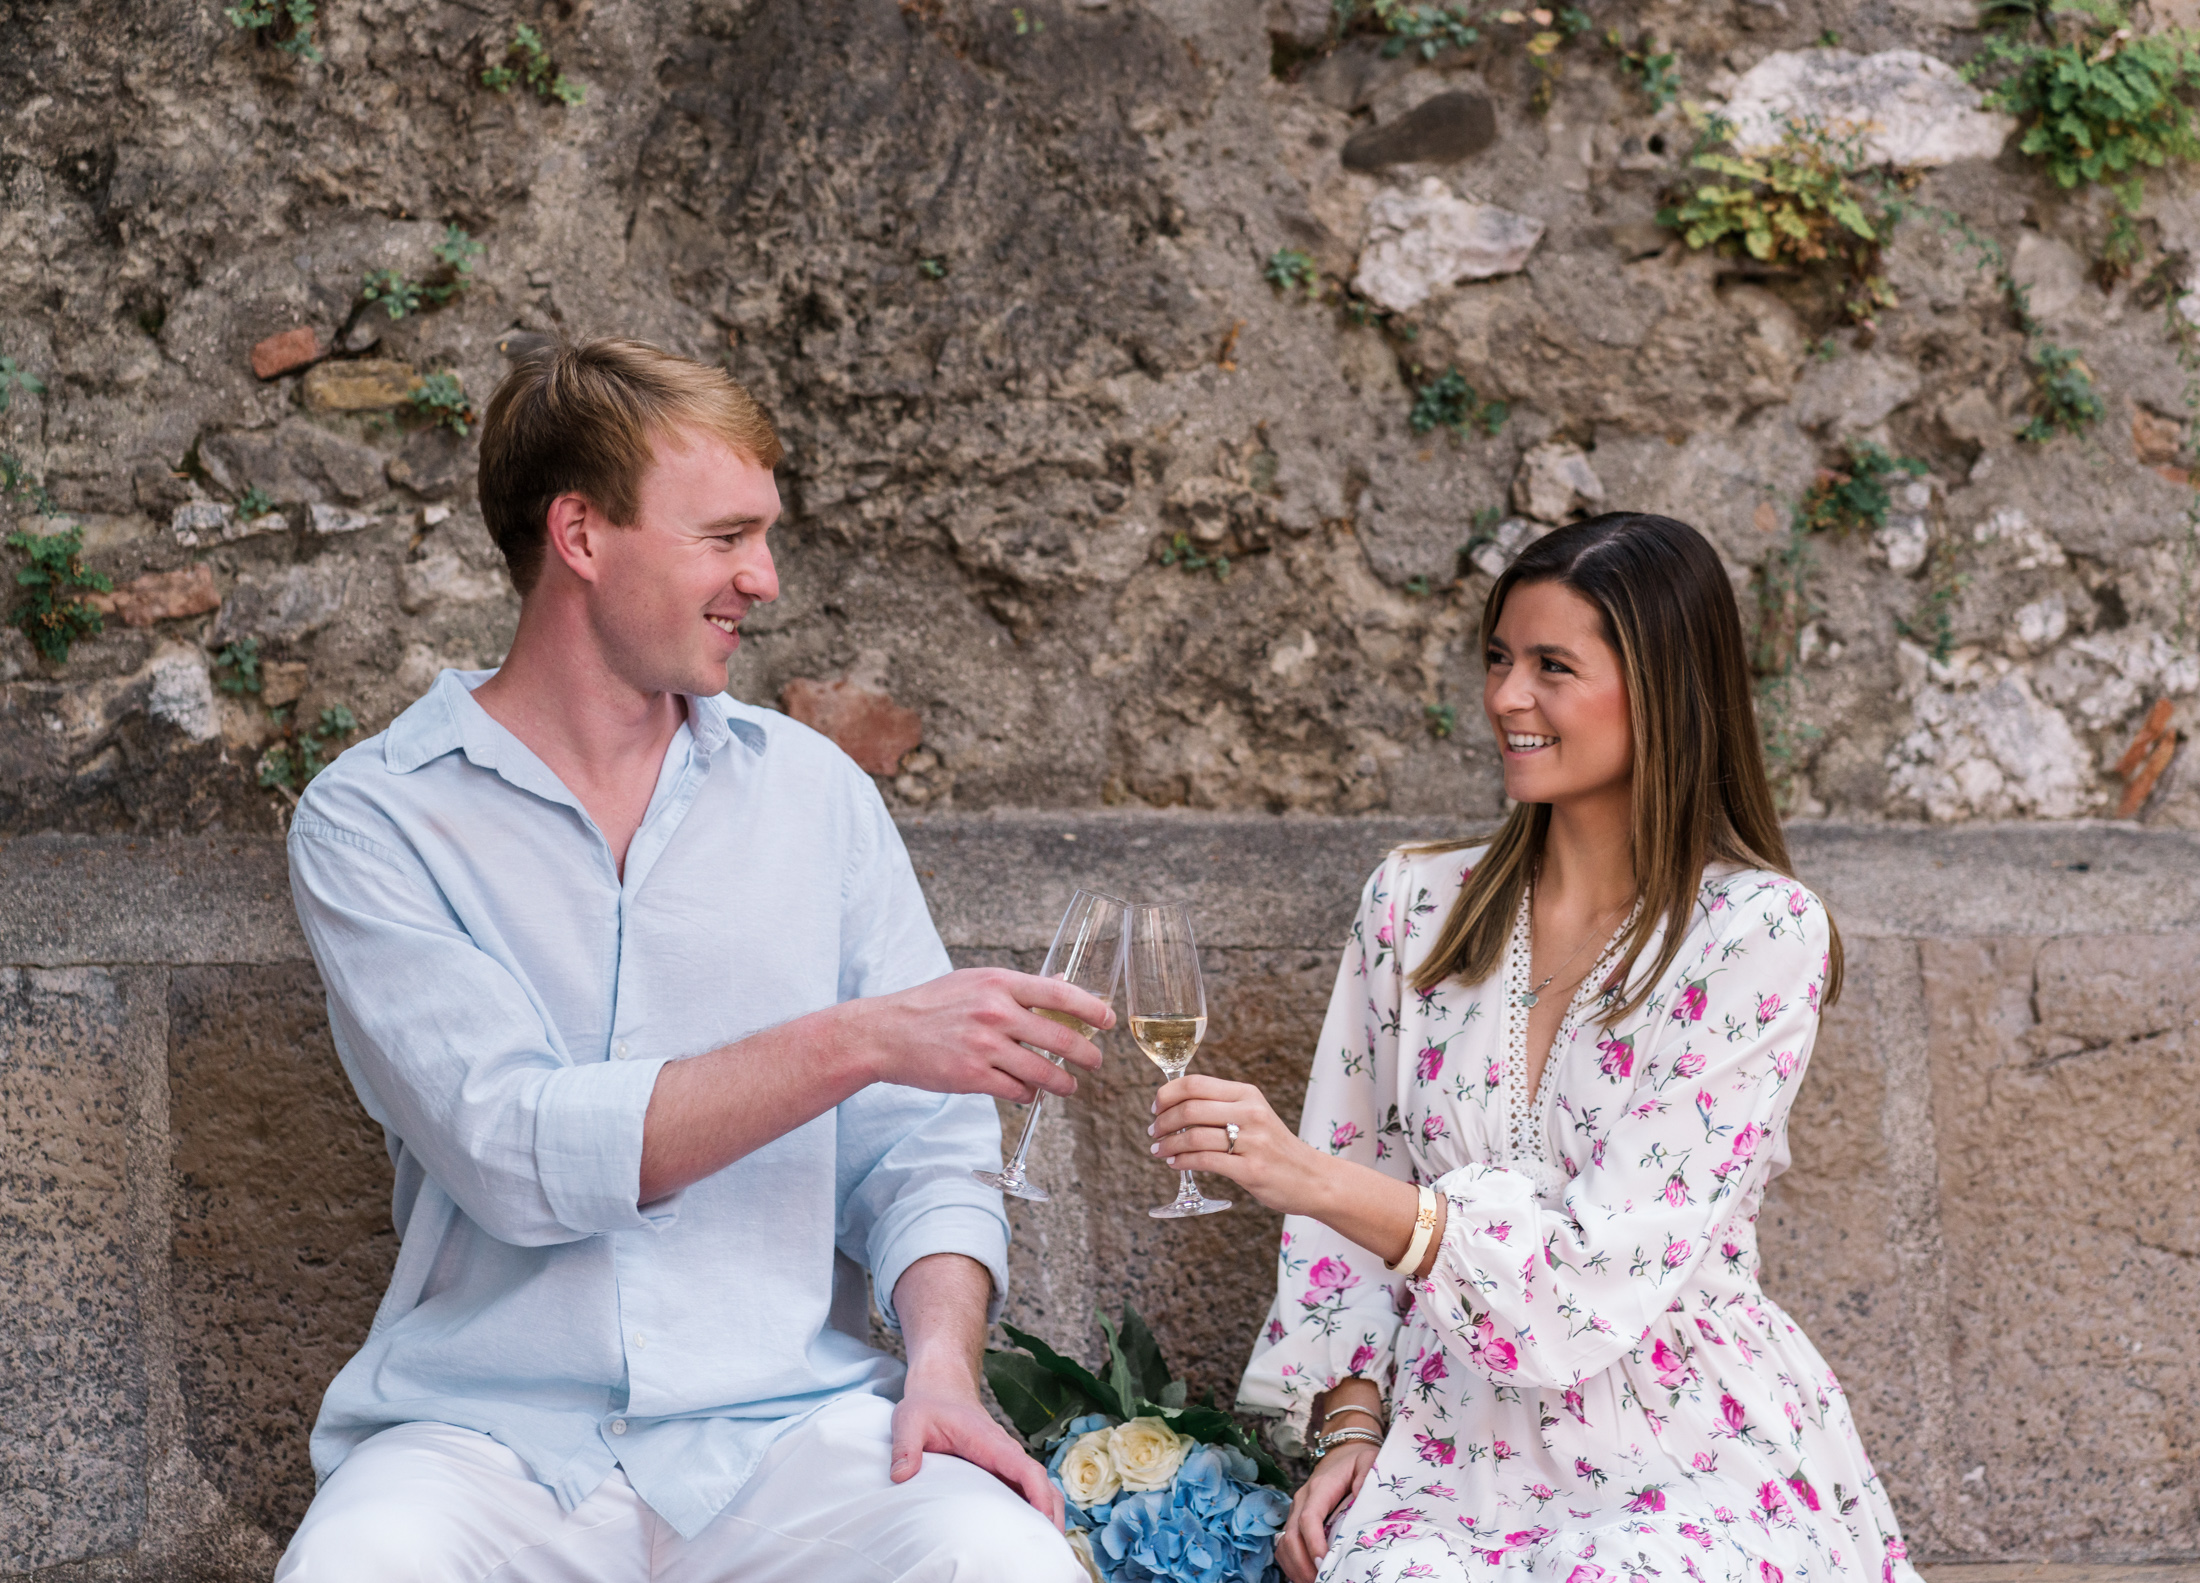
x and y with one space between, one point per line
641 987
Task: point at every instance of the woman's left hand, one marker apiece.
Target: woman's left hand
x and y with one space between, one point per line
1192 1117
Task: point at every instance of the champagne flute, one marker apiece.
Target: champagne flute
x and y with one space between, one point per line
1168 1006
1087 952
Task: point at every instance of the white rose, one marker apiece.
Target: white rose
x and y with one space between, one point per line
1080 1546
1147 1453
1088 1472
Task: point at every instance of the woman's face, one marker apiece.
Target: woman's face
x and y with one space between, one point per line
1556 698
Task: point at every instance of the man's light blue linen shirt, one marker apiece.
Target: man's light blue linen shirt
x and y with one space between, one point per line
503 1002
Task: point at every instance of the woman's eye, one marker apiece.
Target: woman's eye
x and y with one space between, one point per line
1554 668
1493 658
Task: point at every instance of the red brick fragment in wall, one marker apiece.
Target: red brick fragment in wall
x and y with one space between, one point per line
287 352
161 596
867 724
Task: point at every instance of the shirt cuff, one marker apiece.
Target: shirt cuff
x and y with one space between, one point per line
980 1234
588 1147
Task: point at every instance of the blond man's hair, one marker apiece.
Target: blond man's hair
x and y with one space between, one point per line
581 418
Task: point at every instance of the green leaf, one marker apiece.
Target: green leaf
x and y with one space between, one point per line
1103 1398
1135 1358
1033 1396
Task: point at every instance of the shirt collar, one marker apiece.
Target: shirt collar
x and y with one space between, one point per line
445 719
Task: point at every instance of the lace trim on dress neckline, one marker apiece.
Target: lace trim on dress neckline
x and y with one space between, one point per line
1526 1145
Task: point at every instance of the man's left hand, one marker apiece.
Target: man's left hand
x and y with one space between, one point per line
952 1423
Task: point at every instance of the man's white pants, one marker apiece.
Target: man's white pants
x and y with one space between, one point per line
427 1503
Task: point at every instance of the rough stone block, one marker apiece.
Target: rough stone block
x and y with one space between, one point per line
284 604
866 724
161 596
72 1438
1420 242
367 384
434 464
293 462
1909 108
1442 130
287 351
283 1242
2073 1246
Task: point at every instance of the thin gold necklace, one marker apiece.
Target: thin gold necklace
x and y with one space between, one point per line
1528 998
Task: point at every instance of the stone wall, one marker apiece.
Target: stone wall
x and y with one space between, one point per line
1988 1228
1000 274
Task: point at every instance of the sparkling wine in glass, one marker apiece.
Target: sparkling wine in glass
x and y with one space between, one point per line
1168 1006
1088 952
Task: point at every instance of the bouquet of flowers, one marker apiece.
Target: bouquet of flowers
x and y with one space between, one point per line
1159 1491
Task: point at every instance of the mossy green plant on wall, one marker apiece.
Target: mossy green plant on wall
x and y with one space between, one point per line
440 398
1449 402
2096 99
1798 204
52 613
1290 269
301 753
289 25
527 60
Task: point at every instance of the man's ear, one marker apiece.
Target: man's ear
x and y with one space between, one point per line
574 529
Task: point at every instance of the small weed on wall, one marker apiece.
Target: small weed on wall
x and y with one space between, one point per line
52 612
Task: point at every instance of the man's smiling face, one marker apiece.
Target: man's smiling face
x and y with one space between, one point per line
672 588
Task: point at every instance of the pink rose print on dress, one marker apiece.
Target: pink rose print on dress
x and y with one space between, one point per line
1896 1551
1616 1057
1397 1524
1671 1366
1706 1462
1432 1127
1330 1276
1772 1500
1701 1535
1737 1422
1588 1572
1501 1452
1430 1064
1676 1253
1768 1007
1489 1350
1650 1498
1494 1076
1432 1369
1585 1469
1275 1331
1810 994
1439 1452
1693 998
1798 903
1575 1405
1803 1491
1362 1356
1746 1141
1382 935
1688 1064
1768 1573
1498 1230
1785 1063
1676 1190
1343 1136
1794 1416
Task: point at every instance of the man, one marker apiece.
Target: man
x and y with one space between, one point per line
639 982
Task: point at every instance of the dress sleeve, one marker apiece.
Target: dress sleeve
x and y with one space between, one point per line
1337 1307
1526 1294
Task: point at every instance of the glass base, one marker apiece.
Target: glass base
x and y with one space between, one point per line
1185 1208
1015 1186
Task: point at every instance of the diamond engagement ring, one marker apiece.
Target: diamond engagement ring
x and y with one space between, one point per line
1231 1128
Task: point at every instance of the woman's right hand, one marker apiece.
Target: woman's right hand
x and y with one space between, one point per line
1336 1479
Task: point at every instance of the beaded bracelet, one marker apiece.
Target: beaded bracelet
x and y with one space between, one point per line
1324 1444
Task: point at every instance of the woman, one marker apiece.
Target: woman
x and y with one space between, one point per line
1553 1085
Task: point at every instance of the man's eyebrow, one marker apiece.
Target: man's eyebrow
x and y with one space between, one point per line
730 522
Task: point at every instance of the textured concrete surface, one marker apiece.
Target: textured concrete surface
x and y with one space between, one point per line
1988 1227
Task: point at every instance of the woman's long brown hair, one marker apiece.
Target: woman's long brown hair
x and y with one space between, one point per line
1699 788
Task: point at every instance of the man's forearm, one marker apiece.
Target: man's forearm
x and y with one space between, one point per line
710 1110
941 1301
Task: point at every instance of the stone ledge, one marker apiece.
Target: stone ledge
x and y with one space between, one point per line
2047 1572
996 881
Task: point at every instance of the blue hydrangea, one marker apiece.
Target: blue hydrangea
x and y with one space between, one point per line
1214 1524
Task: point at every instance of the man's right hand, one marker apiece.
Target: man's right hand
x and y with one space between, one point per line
965 1034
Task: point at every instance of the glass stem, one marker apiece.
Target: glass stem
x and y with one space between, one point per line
1187 1190
1014 1170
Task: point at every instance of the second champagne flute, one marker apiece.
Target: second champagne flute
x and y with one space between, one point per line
1087 952
1168 1006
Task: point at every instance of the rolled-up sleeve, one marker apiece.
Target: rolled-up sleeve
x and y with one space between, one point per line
450 1051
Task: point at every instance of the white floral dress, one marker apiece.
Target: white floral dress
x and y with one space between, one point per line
1590 1384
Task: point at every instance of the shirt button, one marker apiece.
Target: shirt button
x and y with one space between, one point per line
640 1341
622 1049
618 1426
